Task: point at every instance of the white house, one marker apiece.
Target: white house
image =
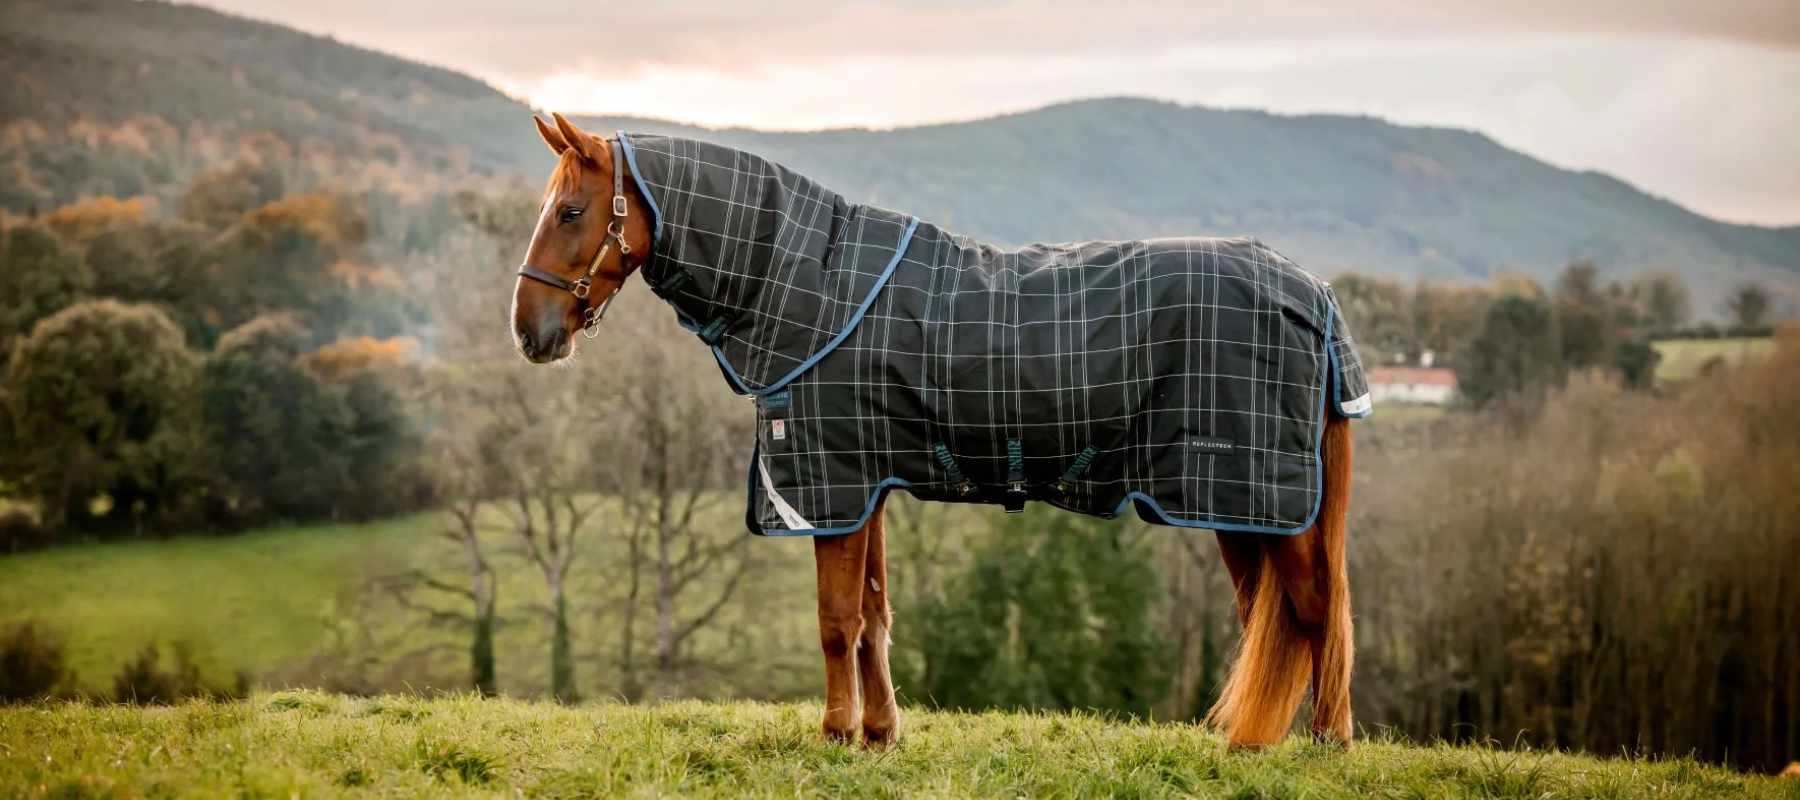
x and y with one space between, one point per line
1427 385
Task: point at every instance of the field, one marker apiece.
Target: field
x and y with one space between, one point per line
267 593
313 745
286 605
1683 358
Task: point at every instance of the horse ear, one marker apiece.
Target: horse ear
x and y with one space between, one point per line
551 136
583 143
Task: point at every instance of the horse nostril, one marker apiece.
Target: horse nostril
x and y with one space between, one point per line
526 343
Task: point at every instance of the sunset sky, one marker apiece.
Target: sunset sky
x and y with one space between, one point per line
1698 102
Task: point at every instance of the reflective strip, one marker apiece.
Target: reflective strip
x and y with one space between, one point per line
1358 407
788 515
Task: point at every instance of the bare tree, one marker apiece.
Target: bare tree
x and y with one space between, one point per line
678 558
517 444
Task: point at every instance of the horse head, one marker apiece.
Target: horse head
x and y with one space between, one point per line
592 233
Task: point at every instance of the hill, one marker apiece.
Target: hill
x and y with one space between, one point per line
119 97
123 98
1333 192
315 745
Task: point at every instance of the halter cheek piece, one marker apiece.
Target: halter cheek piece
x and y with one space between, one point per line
615 234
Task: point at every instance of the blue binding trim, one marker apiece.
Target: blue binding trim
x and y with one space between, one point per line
1337 382
737 380
1231 527
638 178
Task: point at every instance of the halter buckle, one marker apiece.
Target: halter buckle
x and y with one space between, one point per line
580 288
619 209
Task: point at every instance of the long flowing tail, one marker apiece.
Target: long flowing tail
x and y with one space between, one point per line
1283 645
1267 680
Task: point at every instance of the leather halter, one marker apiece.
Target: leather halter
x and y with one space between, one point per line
615 234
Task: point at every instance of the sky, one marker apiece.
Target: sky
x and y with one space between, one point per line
1698 102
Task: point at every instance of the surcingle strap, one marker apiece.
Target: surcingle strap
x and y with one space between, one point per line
1077 468
952 473
1015 477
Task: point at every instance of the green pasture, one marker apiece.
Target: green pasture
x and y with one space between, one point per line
1683 358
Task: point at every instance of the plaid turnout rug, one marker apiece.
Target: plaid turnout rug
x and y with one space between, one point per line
1186 379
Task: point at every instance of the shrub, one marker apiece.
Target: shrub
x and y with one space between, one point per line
32 664
143 681
19 530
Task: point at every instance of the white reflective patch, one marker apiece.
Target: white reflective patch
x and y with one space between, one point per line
788 515
1358 407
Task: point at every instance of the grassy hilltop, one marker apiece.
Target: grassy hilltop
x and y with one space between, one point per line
308 744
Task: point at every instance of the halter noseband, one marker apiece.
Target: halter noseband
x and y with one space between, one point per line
615 233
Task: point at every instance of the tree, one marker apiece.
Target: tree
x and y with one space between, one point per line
1579 283
1636 361
1054 612
679 429
1518 351
1665 299
277 437
1749 306
519 458
1378 311
38 277
100 397
1585 316
218 197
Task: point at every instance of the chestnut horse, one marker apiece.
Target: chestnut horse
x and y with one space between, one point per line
1293 592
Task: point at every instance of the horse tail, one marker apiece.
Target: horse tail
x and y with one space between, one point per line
1276 656
1269 675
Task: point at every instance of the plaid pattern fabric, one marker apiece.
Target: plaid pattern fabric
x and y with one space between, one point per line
1187 379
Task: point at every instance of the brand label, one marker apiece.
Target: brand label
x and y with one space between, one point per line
1212 445
778 429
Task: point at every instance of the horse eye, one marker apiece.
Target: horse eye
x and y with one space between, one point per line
570 214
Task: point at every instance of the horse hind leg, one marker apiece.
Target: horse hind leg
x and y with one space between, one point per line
1242 555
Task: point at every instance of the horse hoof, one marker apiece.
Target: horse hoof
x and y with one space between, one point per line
880 738
844 736
1333 738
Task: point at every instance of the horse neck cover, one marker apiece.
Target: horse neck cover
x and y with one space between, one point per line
1186 378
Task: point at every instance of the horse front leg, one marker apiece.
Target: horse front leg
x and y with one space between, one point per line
842 563
881 714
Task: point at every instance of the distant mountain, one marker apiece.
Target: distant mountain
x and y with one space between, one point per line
1334 192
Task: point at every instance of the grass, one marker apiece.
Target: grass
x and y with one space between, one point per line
320 745
1683 358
